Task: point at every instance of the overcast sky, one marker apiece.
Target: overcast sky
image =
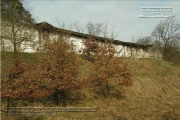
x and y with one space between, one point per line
121 15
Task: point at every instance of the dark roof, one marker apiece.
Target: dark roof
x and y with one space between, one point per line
50 28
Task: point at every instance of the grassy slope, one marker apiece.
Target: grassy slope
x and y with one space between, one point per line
155 94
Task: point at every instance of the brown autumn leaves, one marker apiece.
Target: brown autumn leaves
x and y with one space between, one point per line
55 74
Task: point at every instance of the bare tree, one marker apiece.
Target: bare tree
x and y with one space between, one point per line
105 30
91 44
166 33
113 34
144 40
17 24
77 27
94 29
64 23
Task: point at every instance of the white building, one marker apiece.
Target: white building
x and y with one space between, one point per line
44 30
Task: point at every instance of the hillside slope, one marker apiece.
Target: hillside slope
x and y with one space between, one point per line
155 95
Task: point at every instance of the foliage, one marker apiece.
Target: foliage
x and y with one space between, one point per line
91 47
54 77
172 54
108 70
61 68
16 85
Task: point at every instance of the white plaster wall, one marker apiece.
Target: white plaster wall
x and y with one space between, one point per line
53 36
7 45
121 51
77 44
31 46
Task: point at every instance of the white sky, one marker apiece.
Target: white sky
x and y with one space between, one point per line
122 15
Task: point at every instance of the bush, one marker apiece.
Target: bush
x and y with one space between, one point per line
172 54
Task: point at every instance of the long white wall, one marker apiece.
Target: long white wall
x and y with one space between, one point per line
77 45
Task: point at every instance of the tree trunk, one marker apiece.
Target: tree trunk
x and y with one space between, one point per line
63 94
16 56
56 96
107 89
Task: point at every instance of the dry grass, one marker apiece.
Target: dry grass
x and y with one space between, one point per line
155 95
